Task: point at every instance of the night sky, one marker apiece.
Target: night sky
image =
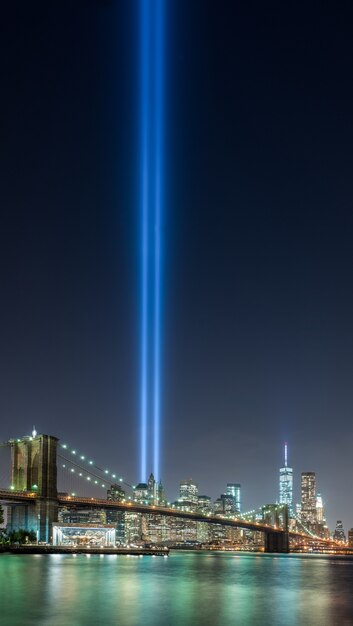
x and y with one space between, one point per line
258 239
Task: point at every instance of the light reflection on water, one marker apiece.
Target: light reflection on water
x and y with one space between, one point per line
188 588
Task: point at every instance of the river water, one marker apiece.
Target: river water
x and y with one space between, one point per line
187 588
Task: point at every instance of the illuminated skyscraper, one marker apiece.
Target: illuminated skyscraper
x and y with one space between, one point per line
350 538
339 535
234 490
286 482
161 497
204 504
319 509
188 491
308 501
321 526
116 494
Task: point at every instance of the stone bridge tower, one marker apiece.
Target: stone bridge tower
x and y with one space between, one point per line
33 468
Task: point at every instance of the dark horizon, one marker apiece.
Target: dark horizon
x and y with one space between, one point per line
257 240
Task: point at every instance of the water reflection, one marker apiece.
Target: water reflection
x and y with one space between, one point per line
208 589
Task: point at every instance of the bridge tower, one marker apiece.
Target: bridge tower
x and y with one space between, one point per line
33 468
278 541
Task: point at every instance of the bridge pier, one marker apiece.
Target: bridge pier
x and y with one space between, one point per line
22 516
277 542
37 517
47 513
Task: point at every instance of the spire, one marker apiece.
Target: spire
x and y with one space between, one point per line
285 454
34 432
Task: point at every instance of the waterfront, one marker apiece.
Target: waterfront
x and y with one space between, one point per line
210 589
83 549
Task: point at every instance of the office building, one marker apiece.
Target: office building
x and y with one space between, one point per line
218 506
204 504
188 492
319 509
161 495
308 498
350 538
338 534
234 490
116 493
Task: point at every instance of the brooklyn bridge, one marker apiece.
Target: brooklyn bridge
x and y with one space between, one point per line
34 500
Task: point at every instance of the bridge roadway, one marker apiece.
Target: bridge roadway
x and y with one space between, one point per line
171 512
167 511
11 496
8 496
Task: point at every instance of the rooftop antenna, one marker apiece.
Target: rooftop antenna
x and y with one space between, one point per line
285 454
34 432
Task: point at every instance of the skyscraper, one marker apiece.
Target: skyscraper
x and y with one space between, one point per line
308 498
339 535
234 490
286 482
350 538
204 504
188 491
161 496
319 509
116 494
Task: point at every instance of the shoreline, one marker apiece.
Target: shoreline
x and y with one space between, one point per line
74 550
34 549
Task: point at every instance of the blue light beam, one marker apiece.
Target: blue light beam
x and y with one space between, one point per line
145 101
152 50
158 128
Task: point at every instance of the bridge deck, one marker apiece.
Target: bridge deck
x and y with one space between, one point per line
167 511
11 497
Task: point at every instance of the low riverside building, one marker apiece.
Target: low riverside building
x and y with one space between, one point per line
85 535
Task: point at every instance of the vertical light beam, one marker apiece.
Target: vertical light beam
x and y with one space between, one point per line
152 19
158 129
145 101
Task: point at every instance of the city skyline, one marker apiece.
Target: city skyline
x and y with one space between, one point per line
41 500
308 509
257 236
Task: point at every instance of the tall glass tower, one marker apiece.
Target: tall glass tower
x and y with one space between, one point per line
233 491
286 482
